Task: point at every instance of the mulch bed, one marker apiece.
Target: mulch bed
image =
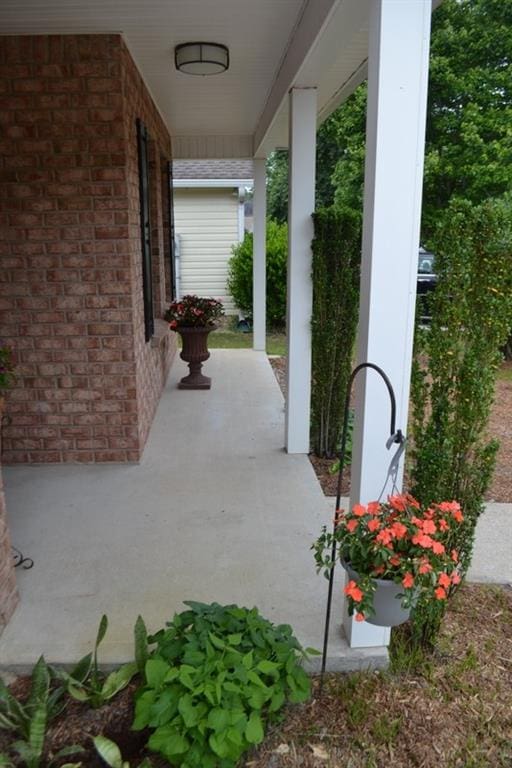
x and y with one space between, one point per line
500 426
454 710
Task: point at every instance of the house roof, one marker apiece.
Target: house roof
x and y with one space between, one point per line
213 169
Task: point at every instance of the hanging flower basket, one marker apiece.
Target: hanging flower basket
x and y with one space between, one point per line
393 553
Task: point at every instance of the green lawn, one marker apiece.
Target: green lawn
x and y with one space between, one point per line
226 339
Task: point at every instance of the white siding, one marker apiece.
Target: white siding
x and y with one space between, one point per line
207 222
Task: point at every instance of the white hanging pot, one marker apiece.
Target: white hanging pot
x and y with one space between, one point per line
387 601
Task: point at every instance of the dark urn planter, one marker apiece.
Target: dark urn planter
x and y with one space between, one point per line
195 352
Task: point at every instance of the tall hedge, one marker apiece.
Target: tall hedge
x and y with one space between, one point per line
240 273
455 367
336 272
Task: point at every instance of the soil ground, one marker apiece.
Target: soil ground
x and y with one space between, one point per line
500 427
450 710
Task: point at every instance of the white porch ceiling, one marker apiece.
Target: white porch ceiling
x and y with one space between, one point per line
273 44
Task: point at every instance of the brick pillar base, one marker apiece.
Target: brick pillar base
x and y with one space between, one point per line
8 590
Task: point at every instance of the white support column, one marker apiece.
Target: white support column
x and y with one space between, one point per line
302 152
395 144
259 267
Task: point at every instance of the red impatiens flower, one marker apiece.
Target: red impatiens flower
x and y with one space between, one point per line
408 580
373 524
374 507
395 560
399 530
425 566
444 580
438 548
429 526
456 579
353 591
454 556
423 540
385 537
360 616
358 510
443 525
352 525
440 593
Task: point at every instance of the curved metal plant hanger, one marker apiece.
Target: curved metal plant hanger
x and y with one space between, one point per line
395 436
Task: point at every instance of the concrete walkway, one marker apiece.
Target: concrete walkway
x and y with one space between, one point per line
216 511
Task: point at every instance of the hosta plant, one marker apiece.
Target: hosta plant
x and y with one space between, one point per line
217 677
398 541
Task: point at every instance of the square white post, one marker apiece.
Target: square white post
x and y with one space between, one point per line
301 204
259 256
395 143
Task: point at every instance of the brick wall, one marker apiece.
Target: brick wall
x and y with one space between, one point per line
71 302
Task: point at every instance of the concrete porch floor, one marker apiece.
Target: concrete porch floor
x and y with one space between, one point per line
216 511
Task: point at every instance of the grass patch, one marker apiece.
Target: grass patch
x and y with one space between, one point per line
228 339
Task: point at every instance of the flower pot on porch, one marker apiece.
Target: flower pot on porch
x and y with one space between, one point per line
387 602
195 352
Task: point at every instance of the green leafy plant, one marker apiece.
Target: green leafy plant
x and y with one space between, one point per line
336 268
217 676
398 541
111 754
240 273
30 719
87 683
455 368
193 311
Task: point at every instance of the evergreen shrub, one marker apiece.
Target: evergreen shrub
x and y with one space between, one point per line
240 273
336 271
454 372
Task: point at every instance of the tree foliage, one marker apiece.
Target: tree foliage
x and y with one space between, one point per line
468 152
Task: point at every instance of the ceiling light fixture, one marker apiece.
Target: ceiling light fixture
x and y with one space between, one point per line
201 58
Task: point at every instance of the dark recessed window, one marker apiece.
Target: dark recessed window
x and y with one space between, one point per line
145 227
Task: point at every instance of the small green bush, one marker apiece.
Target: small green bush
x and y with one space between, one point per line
240 273
218 675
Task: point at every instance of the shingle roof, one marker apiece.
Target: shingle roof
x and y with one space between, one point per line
212 169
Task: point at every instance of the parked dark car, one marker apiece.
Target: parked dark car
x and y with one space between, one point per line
427 281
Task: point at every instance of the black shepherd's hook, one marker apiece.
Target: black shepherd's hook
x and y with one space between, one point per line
396 436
